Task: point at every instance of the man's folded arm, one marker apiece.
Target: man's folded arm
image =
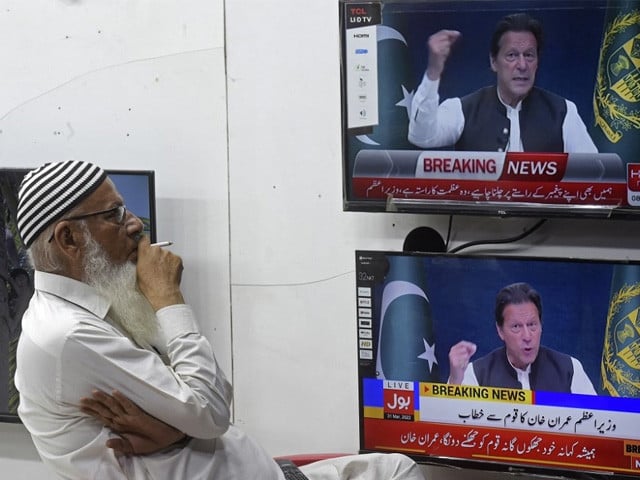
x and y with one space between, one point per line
191 394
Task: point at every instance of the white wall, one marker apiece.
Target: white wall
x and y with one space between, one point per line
267 248
127 84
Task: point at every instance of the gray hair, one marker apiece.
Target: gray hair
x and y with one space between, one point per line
42 256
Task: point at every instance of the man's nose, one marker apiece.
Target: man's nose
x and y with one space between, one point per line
133 224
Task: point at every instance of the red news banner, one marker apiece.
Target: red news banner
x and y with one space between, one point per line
493 444
545 178
502 425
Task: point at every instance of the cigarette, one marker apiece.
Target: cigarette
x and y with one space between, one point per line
162 244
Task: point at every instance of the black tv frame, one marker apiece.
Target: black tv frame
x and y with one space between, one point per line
356 14
375 273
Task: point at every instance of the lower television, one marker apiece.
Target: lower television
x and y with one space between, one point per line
137 187
520 364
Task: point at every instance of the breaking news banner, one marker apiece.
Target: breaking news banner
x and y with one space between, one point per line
580 432
547 178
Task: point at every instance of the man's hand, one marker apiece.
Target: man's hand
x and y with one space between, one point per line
140 433
440 44
159 275
459 357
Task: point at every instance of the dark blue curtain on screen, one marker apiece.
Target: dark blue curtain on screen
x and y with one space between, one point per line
575 299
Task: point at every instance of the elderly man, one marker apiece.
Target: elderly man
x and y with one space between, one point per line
108 315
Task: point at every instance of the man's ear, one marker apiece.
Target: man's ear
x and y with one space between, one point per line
68 242
499 329
66 237
492 62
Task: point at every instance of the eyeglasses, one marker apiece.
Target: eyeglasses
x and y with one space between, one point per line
118 214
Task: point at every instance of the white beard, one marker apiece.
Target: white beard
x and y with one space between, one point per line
130 310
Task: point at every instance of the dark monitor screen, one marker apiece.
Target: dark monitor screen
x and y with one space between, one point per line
137 187
577 158
554 390
138 190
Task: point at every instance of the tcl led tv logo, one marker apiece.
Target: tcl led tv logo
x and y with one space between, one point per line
362 15
633 183
359 15
398 400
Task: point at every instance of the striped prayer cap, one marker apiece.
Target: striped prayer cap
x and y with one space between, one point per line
50 191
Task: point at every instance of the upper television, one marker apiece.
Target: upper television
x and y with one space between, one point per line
514 364
137 188
528 108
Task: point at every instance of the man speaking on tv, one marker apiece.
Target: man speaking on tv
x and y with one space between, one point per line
522 362
513 115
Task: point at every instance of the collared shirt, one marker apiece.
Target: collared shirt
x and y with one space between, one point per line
434 125
513 114
69 347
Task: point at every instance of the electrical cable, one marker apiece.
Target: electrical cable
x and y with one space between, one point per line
446 243
497 241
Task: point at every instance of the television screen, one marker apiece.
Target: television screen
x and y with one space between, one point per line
137 187
498 107
498 362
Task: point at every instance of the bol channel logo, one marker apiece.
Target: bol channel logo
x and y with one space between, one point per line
398 400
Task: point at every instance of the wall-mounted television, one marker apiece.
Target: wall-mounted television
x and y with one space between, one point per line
137 187
474 137
554 389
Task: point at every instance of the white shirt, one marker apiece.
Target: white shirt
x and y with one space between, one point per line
433 125
69 347
580 382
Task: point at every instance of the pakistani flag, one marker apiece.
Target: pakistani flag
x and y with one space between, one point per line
406 348
620 366
616 100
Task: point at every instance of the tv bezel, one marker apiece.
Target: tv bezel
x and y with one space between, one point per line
397 204
459 462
